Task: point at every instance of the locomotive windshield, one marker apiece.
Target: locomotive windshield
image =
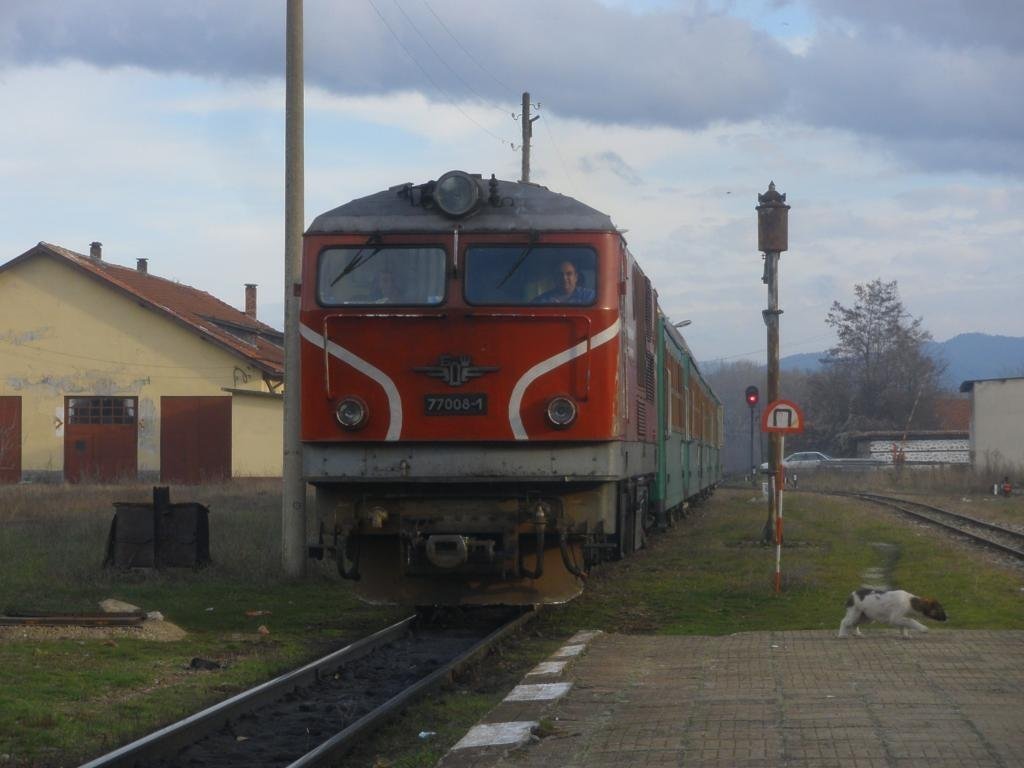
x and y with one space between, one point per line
531 274
375 274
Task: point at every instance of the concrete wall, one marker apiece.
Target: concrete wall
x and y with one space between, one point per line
997 424
938 451
65 333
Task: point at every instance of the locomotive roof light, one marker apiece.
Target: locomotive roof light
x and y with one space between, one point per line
456 193
561 412
351 413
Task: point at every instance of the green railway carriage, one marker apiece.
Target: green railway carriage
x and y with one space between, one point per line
690 429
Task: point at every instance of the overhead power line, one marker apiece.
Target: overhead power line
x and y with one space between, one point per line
558 154
472 58
431 80
448 66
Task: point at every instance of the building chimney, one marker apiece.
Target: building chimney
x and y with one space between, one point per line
96 251
250 300
142 265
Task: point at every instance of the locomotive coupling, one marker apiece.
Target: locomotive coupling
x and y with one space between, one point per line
447 551
452 550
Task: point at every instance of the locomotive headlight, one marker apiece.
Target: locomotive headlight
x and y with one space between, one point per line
456 193
561 412
351 413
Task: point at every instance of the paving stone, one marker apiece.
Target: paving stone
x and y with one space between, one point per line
794 699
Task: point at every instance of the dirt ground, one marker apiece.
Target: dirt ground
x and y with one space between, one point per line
156 631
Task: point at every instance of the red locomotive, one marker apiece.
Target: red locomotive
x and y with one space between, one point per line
480 393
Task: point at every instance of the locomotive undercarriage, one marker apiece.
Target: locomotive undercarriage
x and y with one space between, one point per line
467 543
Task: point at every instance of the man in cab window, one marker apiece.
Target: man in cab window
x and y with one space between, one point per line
568 288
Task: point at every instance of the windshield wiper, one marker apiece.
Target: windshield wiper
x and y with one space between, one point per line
534 237
357 260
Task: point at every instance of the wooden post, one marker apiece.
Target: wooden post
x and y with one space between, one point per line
772 240
780 485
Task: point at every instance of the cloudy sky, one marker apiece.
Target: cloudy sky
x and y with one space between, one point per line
895 128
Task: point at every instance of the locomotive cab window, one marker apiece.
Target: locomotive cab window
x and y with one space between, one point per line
374 274
531 274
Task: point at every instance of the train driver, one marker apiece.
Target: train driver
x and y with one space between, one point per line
568 289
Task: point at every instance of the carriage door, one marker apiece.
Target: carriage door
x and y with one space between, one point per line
101 439
10 439
195 439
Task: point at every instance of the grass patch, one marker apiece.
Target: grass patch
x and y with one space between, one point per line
710 575
61 701
64 700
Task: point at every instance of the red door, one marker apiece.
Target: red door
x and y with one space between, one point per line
195 439
101 439
10 439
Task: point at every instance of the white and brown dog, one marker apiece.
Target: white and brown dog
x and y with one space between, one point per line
890 607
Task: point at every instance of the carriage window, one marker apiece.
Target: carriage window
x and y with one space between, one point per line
374 274
531 274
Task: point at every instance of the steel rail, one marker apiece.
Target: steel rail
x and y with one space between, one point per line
184 732
342 742
895 503
169 740
957 515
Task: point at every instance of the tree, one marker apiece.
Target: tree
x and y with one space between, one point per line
729 380
878 376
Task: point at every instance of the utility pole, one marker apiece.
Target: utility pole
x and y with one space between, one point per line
527 135
772 240
293 490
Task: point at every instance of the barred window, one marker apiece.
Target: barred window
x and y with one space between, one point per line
101 410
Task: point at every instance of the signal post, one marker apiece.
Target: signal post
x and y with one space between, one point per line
772 240
752 396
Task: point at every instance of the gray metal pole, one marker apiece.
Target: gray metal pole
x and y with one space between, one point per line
293 491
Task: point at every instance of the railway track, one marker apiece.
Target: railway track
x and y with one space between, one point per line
991 535
316 713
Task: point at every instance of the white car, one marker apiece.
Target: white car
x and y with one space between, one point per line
802 460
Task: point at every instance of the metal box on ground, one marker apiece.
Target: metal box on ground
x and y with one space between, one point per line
158 535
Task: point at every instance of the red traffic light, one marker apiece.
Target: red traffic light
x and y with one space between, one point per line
752 396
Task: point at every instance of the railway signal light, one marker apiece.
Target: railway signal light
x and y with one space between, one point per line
752 396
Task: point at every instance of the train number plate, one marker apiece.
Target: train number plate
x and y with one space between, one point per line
455 405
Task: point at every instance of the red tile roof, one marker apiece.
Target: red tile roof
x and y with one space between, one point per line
206 315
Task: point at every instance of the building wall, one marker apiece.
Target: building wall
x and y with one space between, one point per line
257 435
937 451
65 333
997 424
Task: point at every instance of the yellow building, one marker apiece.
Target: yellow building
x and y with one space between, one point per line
110 373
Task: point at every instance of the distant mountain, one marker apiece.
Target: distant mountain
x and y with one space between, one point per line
980 356
968 356
805 361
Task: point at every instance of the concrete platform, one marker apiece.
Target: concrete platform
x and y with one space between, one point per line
946 698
